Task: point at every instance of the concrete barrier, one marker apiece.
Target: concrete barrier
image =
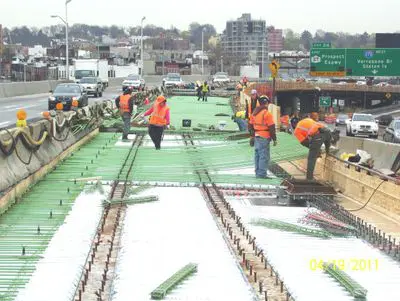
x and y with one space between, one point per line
27 88
383 153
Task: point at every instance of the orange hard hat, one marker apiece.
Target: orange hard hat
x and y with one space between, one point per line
75 103
161 99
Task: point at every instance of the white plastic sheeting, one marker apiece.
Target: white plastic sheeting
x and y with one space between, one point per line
291 254
168 141
161 237
58 272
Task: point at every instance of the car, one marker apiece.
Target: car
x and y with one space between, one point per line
134 81
362 124
66 94
92 86
385 119
173 80
341 119
221 78
392 132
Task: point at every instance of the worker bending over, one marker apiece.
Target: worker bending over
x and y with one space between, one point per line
125 104
312 135
240 119
159 119
263 127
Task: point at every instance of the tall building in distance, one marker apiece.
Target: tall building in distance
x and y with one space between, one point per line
274 39
244 40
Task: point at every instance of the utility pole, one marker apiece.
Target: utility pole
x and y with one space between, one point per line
66 39
202 51
222 63
262 58
141 45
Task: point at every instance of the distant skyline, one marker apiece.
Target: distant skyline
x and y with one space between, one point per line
352 16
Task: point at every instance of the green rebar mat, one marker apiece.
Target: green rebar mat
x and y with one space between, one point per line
169 284
353 287
275 224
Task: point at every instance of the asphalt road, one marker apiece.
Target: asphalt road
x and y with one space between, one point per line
34 105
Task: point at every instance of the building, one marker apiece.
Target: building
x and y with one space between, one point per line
274 39
244 40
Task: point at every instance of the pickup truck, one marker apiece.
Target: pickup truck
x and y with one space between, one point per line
363 125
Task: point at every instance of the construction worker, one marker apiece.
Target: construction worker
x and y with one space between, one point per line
285 123
312 135
198 90
125 104
240 119
250 107
204 90
245 80
239 88
159 119
263 127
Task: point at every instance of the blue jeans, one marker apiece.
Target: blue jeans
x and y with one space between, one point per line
261 156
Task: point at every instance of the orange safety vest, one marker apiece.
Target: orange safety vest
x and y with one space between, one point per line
259 123
124 103
306 128
158 115
285 120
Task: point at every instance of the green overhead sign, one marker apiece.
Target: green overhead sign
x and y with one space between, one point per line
355 62
324 101
322 45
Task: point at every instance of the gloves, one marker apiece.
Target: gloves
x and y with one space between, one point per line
251 141
167 127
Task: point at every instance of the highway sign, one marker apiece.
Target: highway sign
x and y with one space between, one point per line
327 62
355 62
322 45
373 62
324 101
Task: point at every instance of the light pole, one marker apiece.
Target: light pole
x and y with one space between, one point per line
141 45
66 37
262 58
202 51
222 63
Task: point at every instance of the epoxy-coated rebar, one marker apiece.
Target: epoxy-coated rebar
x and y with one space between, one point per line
161 291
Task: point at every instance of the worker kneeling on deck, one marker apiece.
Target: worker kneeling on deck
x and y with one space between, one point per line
159 120
263 127
312 135
125 104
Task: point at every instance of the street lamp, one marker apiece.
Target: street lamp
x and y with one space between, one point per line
222 63
141 45
202 51
66 37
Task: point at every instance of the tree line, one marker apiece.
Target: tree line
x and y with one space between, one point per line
30 36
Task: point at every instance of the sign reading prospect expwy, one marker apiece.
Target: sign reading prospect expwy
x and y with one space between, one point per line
355 62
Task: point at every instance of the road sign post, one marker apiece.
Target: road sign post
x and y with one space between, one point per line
274 67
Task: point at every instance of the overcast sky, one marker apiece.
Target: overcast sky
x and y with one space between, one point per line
340 15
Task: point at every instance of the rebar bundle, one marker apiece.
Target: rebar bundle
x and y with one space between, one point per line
283 226
329 223
354 288
161 291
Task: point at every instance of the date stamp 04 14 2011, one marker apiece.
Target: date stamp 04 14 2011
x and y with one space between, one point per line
352 264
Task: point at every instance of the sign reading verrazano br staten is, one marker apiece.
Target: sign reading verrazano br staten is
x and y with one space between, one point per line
355 62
